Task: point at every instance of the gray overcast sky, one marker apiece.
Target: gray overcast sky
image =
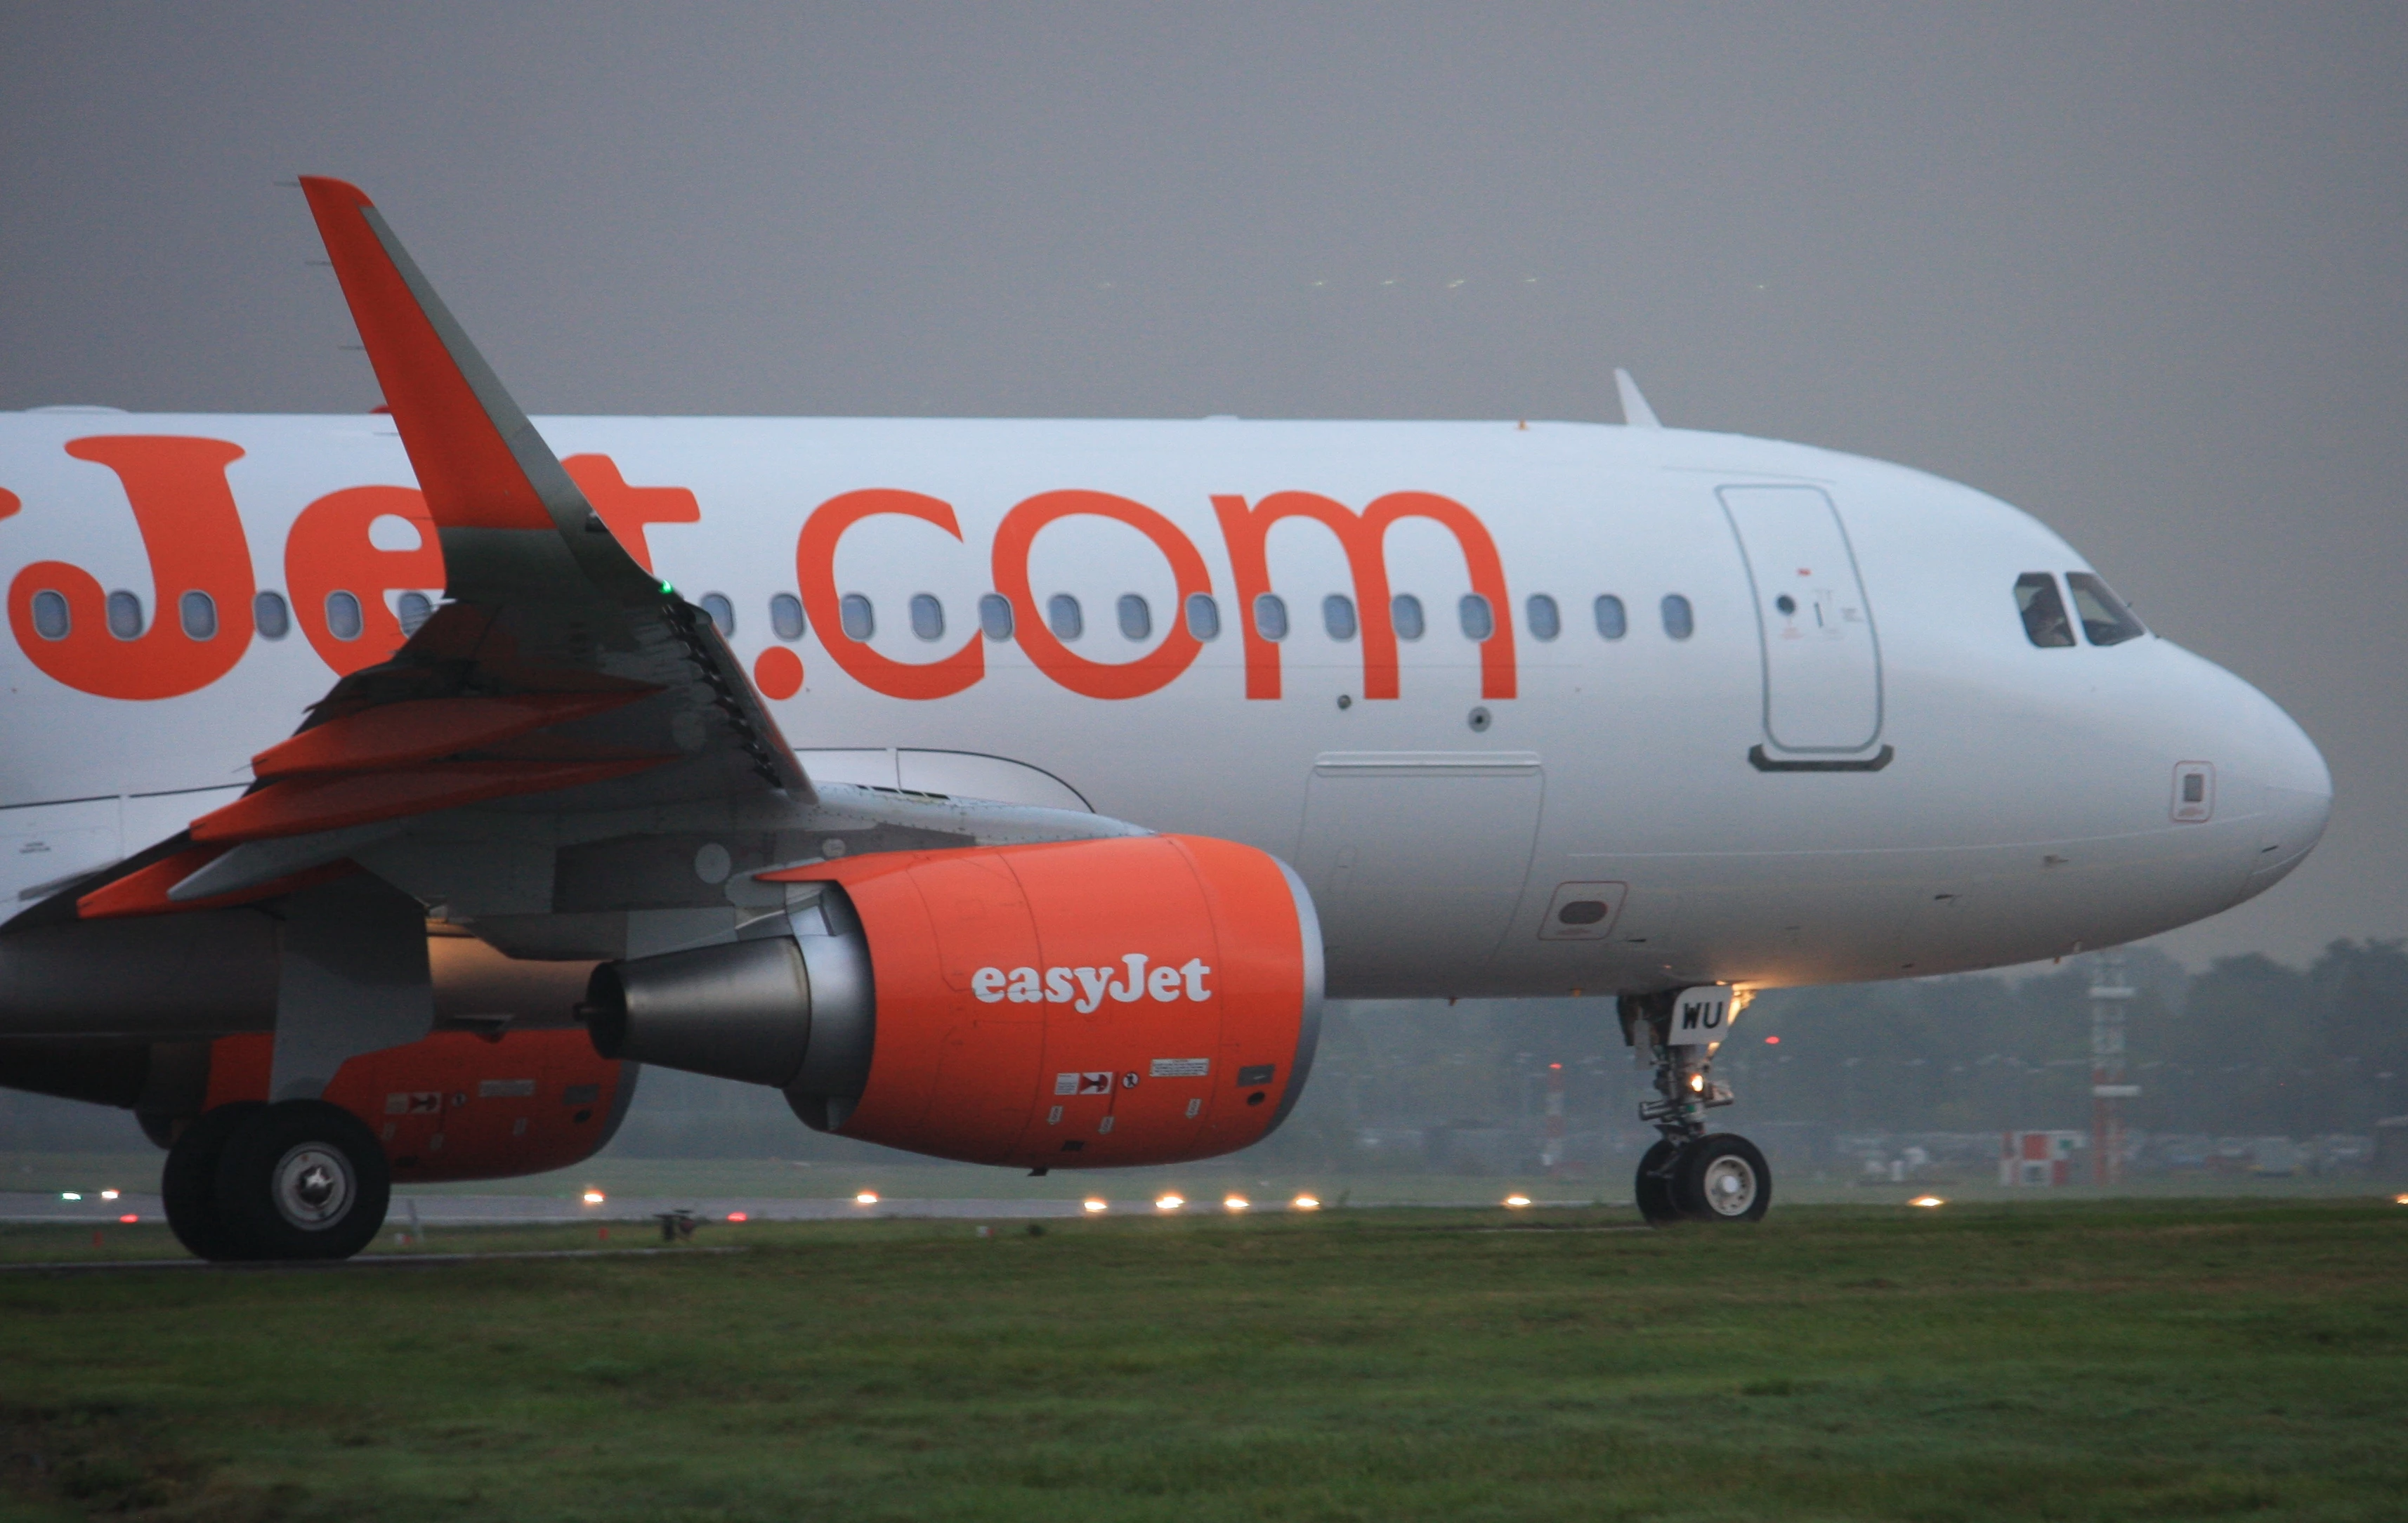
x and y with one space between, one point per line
2137 268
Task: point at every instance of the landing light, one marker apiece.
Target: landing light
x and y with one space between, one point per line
1927 1201
867 1198
593 1198
1306 1202
109 1195
2400 1199
1517 1201
1092 1203
1235 1202
1170 1202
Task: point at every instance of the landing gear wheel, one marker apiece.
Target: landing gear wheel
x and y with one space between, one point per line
303 1180
1652 1186
1722 1178
187 1185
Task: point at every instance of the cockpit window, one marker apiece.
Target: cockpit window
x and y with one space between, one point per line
2043 612
2105 619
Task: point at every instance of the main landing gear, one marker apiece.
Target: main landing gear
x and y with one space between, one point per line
298 1180
1689 1175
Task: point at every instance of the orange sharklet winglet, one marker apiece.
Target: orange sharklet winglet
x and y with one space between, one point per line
474 480
144 891
299 806
396 735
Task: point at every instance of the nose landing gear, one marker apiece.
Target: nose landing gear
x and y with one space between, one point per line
1689 1175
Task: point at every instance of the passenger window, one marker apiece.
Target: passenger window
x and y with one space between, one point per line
1338 616
995 616
1546 621
415 608
52 620
1203 616
268 613
2105 619
1612 623
1062 613
2043 612
721 611
343 615
1406 614
927 616
1270 617
1478 622
197 612
786 616
1137 618
1680 620
859 619
124 615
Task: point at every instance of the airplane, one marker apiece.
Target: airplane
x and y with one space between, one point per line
379 793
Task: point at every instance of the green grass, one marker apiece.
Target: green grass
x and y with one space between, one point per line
2163 1360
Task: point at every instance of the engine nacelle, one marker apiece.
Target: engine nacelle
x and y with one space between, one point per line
1085 1004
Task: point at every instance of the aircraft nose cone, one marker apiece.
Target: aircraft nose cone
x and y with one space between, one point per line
2297 801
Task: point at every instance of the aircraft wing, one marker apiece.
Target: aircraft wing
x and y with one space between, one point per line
559 673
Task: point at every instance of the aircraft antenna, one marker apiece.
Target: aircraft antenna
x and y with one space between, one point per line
1635 410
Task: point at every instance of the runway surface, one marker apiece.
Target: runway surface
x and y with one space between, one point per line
524 1209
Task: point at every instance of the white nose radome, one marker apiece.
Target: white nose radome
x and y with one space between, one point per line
2298 799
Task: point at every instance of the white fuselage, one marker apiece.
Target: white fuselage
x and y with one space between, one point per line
1931 790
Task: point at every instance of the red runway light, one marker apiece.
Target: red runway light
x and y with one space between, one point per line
1773 1041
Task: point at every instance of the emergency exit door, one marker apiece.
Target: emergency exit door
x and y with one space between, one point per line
1822 658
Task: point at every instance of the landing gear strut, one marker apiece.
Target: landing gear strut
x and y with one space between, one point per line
298 1180
1689 1175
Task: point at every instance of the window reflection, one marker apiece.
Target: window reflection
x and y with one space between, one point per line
995 616
860 621
1479 623
343 619
1270 617
786 616
2043 612
1203 616
270 616
1063 617
2105 619
1338 616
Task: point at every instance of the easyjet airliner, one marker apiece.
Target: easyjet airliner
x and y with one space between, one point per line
381 791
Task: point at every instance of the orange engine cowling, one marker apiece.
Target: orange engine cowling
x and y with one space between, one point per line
461 1104
1132 1000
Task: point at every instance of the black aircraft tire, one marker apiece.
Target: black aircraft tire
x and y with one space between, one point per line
188 1185
303 1180
1652 1188
1722 1178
